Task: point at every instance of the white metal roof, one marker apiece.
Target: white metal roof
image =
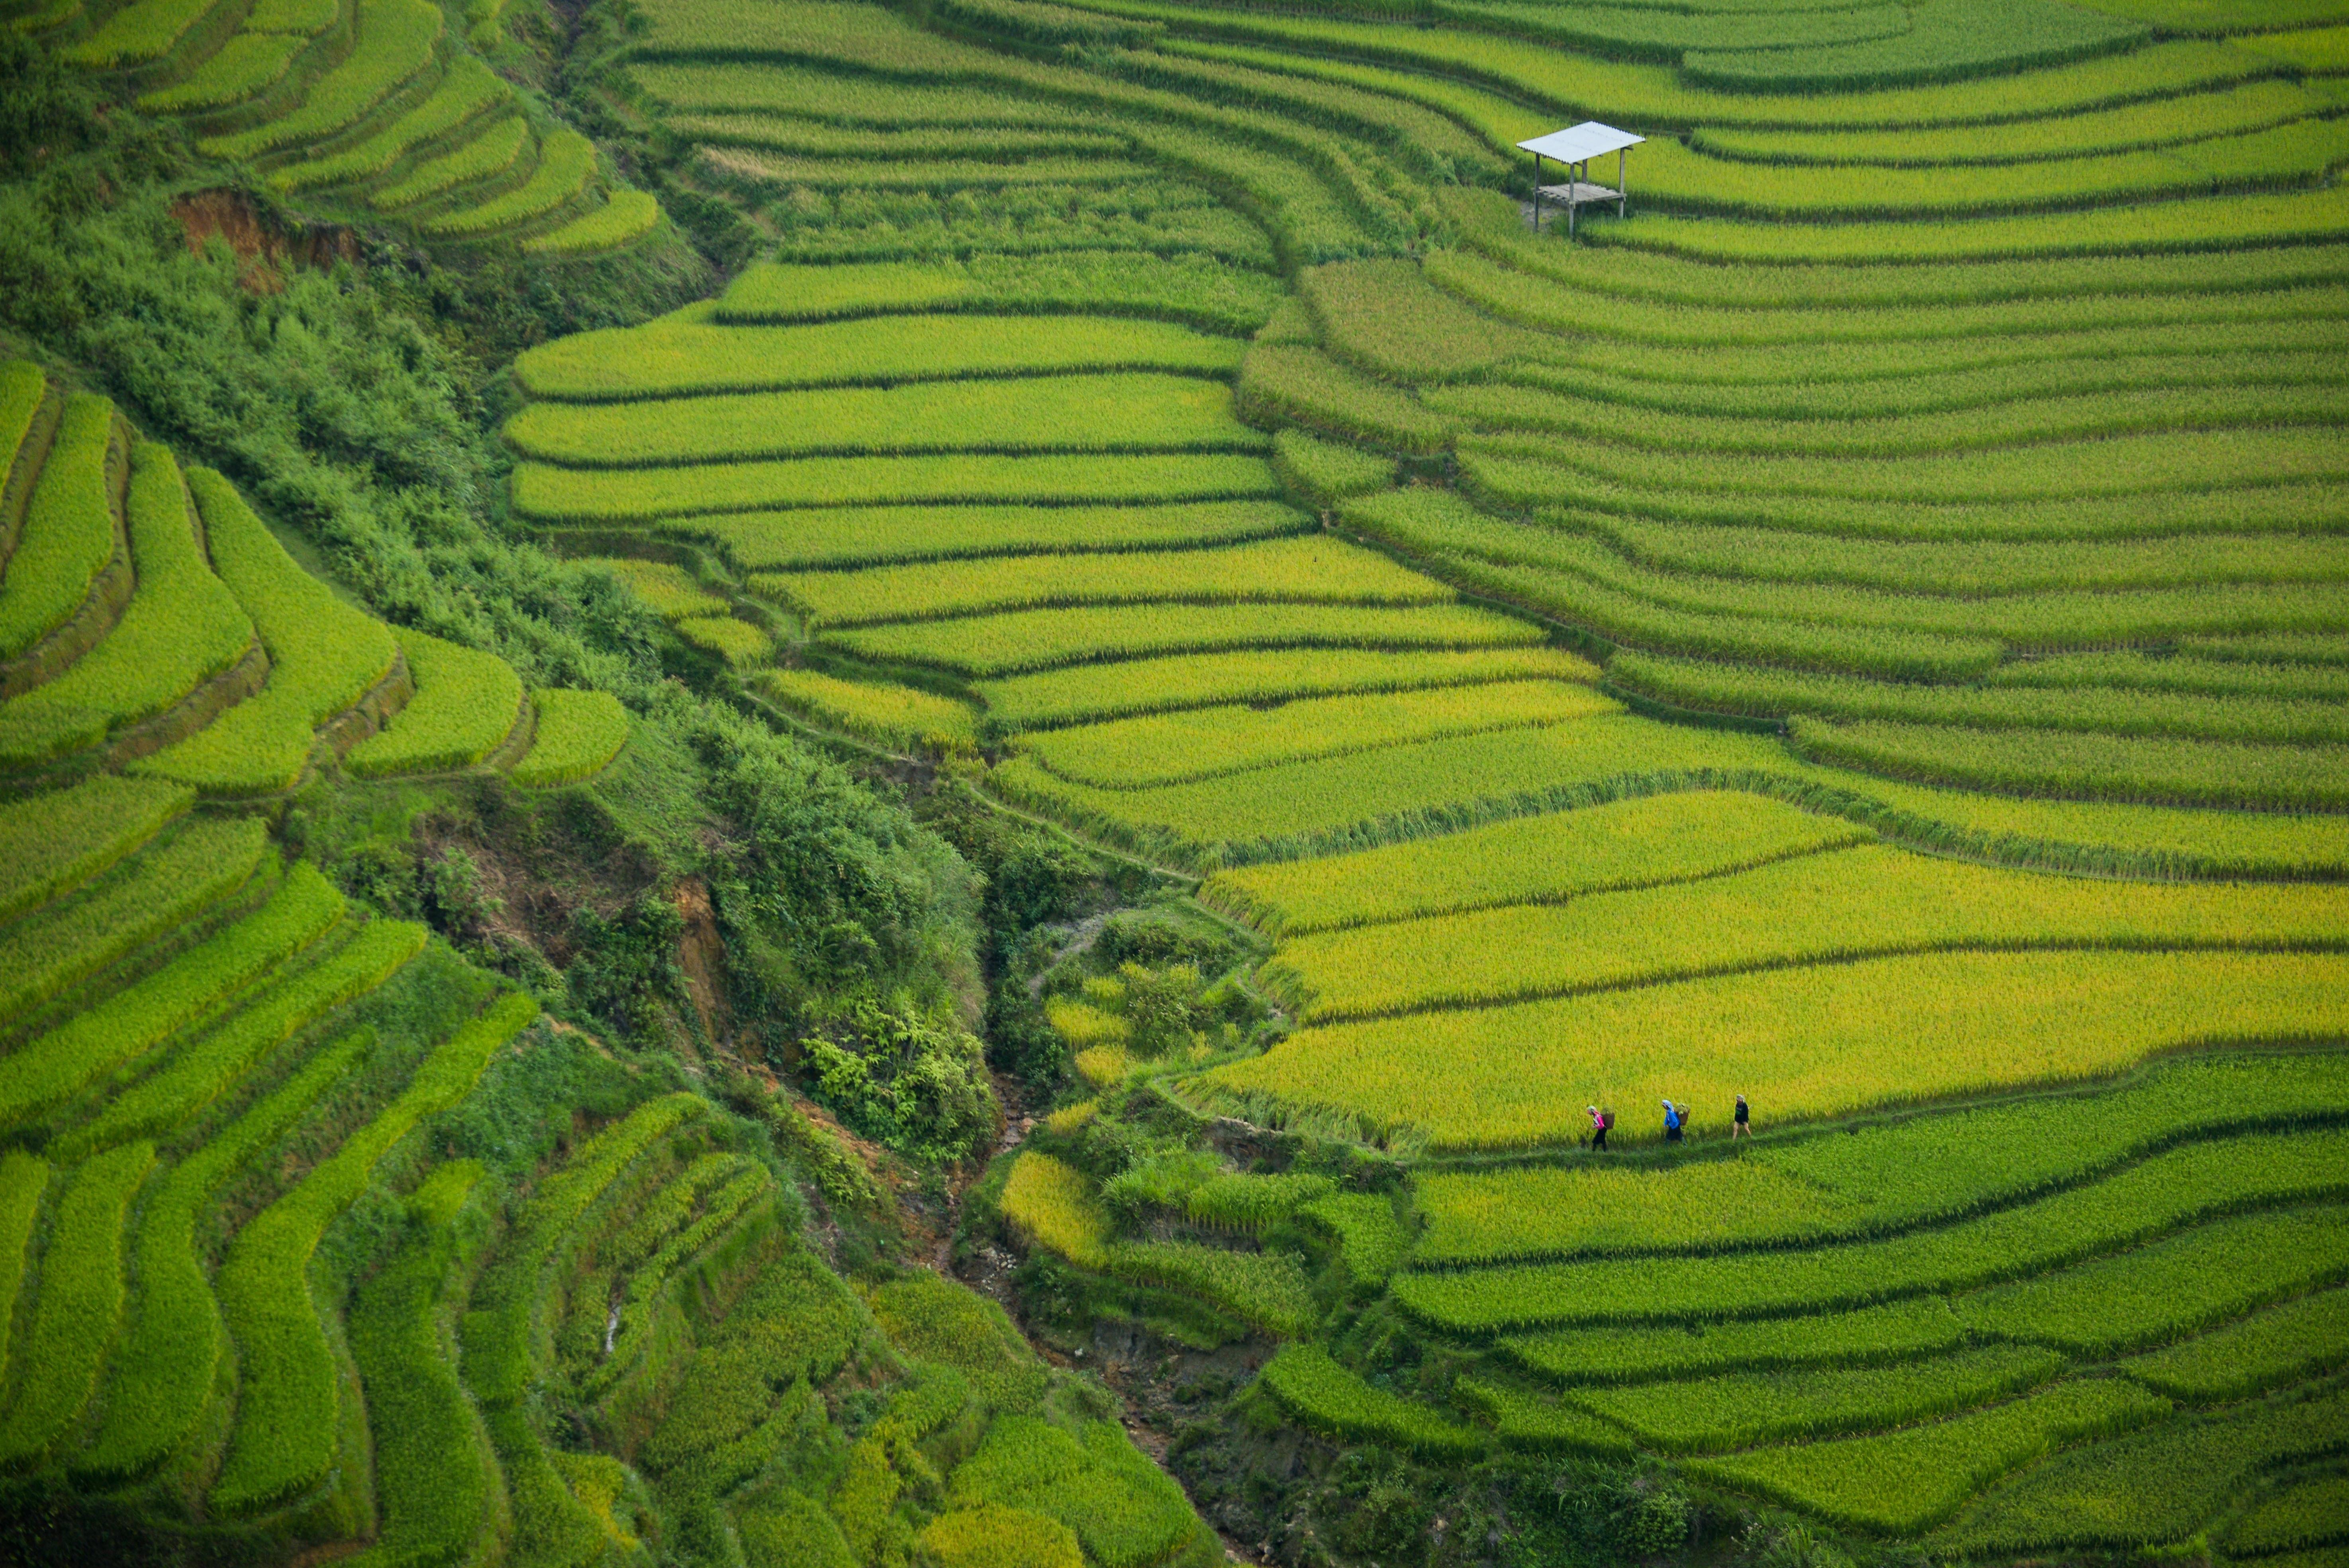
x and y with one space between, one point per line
1577 142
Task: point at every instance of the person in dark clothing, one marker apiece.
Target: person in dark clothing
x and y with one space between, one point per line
1742 1124
1599 1120
1671 1123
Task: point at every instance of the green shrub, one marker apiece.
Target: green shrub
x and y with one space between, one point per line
67 537
1154 412
628 216
216 1060
159 888
466 702
324 657
579 733
163 1373
287 1431
53 1067
491 151
181 627
818 1150
79 1305
396 40
566 161
1325 1396
52 843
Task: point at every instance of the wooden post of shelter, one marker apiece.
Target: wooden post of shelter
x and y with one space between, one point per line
1575 147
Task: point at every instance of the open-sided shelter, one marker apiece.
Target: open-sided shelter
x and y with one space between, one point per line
1575 147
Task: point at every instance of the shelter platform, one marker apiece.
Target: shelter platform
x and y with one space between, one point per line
1579 193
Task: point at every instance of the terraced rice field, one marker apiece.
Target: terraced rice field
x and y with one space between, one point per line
217 1069
1864 632
372 110
189 1012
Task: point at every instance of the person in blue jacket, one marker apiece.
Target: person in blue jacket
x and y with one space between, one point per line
1671 1123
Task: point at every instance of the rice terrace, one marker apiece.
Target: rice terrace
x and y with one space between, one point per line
1136 783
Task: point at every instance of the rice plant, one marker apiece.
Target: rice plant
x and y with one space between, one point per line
1806 910
1542 859
1815 1041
